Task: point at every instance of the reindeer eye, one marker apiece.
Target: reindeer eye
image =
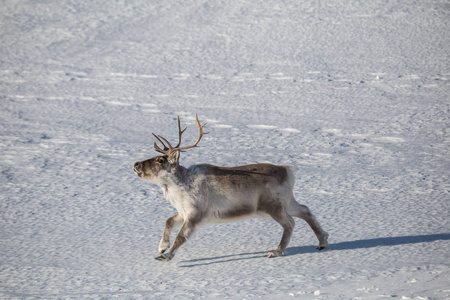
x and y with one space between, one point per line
161 160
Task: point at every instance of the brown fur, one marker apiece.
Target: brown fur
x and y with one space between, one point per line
244 210
247 175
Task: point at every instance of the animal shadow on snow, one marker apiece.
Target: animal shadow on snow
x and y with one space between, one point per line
351 245
387 241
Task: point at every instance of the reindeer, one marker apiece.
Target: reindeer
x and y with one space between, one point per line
205 193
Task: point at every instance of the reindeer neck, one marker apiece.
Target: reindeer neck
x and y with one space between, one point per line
176 178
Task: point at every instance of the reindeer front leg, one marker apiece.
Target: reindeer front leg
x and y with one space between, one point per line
185 232
171 223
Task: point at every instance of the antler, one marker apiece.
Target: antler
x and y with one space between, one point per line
169 149
180 132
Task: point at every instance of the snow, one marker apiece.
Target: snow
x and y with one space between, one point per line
353 93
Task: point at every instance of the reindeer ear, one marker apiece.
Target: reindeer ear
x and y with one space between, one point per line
174 157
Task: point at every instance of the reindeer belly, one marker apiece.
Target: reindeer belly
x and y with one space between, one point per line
234 215
222 220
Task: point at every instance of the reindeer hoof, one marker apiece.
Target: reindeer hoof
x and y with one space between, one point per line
275 253
164 257
323 242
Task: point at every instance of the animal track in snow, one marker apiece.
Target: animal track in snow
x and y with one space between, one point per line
291 130
151 111
410 77
271 127
262 126
222 126
388 139
181 76
118 103
133 75
149 108
280 76
213 77
245 77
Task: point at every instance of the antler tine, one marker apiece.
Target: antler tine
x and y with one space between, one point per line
166 149
200 135
180 132
158 149
201 127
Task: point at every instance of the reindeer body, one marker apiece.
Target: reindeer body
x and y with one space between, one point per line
210 194
216 192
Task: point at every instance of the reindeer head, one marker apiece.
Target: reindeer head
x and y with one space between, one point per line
154 168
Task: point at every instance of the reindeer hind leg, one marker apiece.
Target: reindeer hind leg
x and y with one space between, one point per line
287 222
277 211
301 211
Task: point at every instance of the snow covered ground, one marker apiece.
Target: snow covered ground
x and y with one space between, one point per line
353 93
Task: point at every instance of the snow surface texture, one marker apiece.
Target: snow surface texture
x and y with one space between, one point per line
353 93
